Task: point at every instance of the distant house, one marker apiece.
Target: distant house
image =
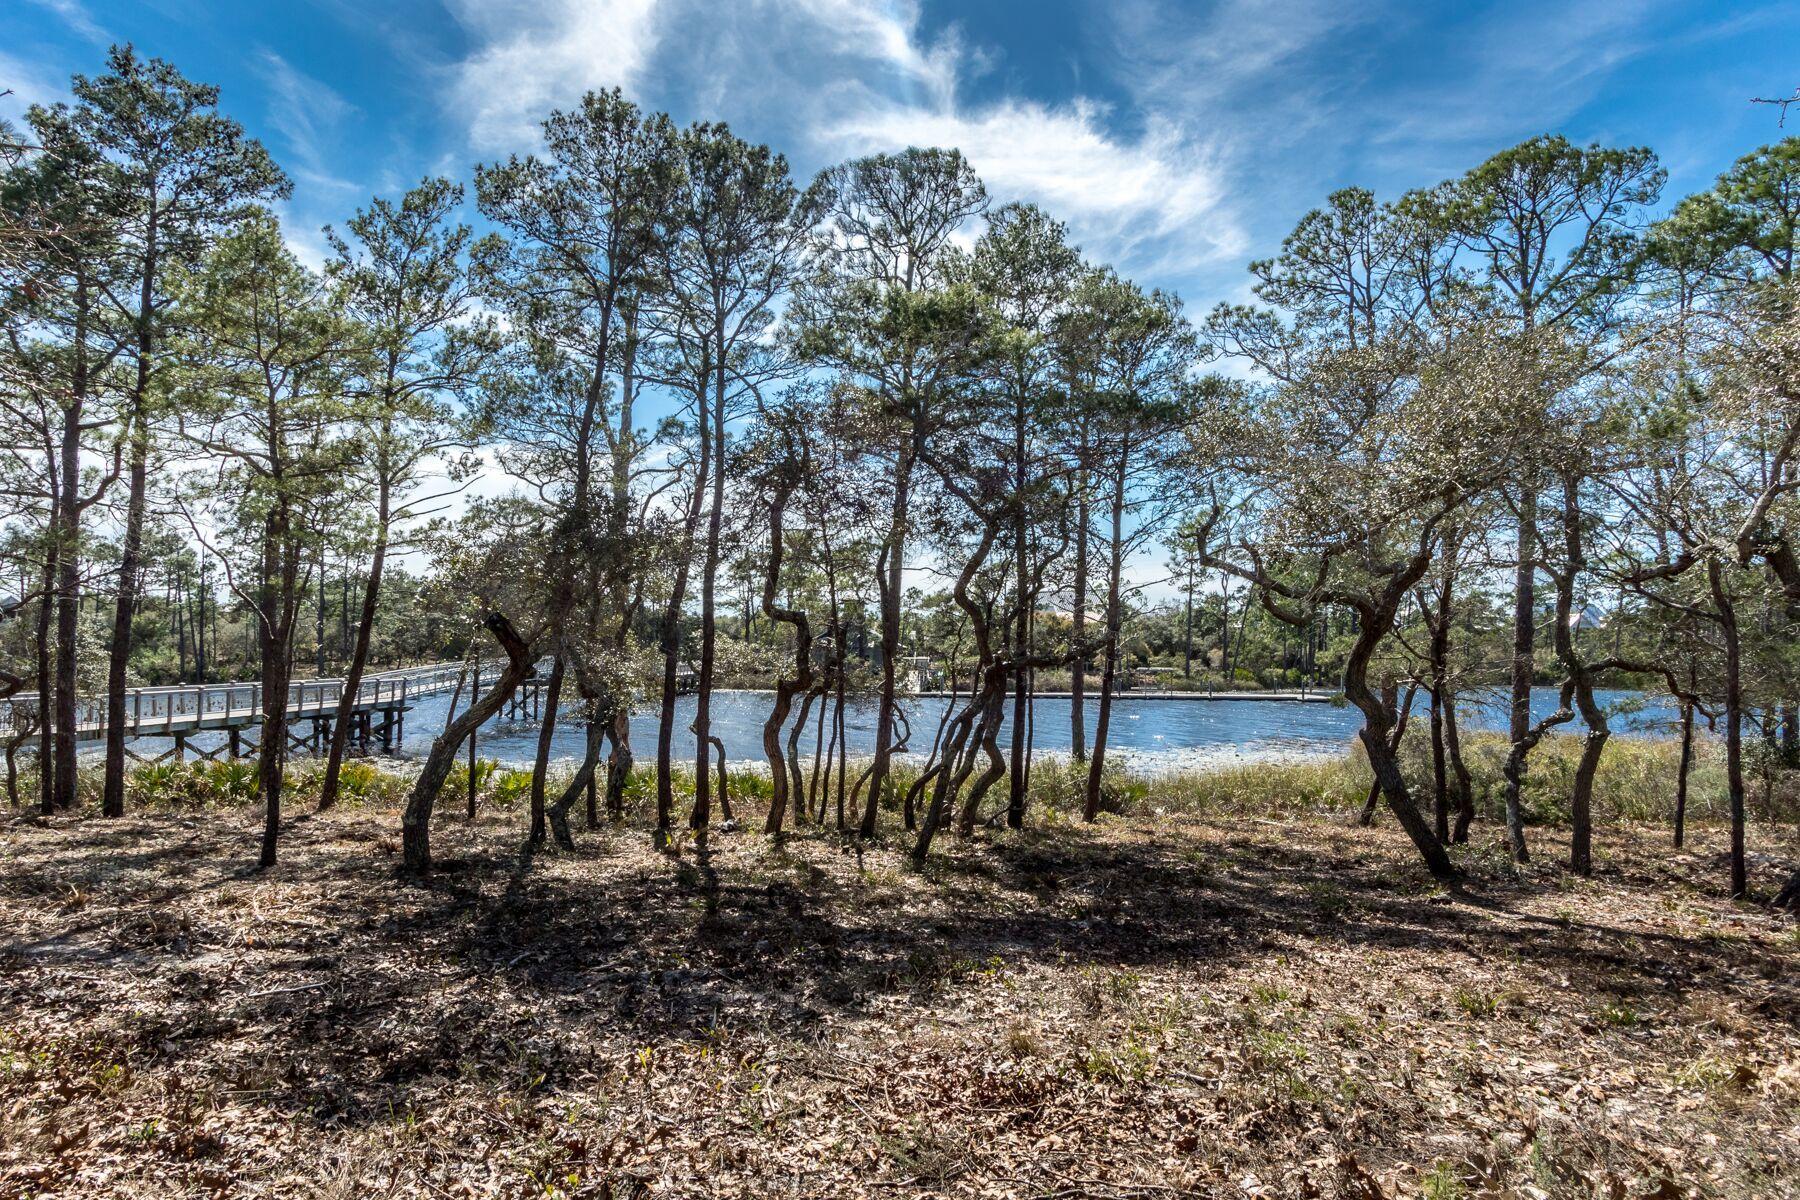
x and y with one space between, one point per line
917 673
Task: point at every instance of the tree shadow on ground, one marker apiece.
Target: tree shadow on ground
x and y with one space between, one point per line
364 984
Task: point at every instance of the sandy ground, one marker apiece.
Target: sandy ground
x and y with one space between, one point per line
1154 1006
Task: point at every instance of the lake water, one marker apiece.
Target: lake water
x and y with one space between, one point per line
1148 735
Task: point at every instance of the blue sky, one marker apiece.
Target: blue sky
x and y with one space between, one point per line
1179 138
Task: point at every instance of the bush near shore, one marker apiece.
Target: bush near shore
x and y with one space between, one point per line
1636 784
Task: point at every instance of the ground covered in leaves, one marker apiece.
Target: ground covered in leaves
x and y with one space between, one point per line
1159 1005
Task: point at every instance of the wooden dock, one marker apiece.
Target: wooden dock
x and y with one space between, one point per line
180 712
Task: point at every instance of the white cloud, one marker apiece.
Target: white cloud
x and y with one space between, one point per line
533 56
306 113
1154 201
847 77
29 82
885 31
75 15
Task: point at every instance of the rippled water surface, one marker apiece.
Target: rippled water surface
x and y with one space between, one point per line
1148 734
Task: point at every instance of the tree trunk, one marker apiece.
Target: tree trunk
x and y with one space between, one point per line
415 829
112 802
891 599
1399 715
559 812
1016 783
1374 733
1734 724
1187 630
1078 618
1524 643
66 537
1440 772
1090 808
1581 818
781 789
540 763
1681 775
359 654
48 795
709 629
279 605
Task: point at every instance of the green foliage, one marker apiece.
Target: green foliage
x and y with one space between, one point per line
215 784
508 787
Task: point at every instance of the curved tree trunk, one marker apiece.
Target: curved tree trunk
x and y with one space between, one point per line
1375 738
415 829
783 785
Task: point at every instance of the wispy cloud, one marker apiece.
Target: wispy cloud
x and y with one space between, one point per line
75 15
30 82
533 56
1154 202
306 113
834 78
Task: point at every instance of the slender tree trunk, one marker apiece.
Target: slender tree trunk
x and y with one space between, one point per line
319 620
619 762
1734 724
1581 818
1399 715
1225 631
986 699
112 803
65 534
780 782
891 600
590 760
279 603
1524 643
1090 808
49 797
1078 617
200 656
1016 783
540 765
671 648
1681 775
359 654
1440 773
1187 630
709 627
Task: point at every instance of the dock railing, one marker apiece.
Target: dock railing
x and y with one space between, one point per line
182 708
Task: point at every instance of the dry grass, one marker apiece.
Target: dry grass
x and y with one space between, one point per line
1161 1005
